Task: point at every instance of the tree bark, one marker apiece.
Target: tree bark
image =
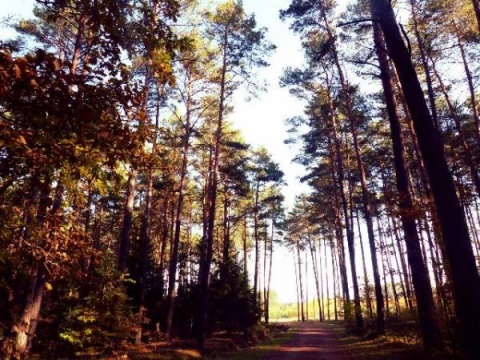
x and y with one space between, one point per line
336 159
315 274
172 270
300 282
256 269
468 74
26 327
426 69
349 229
124 242
468 156
466 280
368 296
204 274
428 318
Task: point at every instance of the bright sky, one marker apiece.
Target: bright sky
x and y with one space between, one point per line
260 120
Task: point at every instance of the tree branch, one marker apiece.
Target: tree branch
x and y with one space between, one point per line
358 21
407 39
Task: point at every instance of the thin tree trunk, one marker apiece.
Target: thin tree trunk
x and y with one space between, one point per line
468 157
124 242
317 280
348 225
335 282
391 270
204 274
327 282
336 154
321 271
245 248
257 247
297 286
300 282
426 69
397 256
468 74
406 274
265 301
164 241
269 280
306 286
172 270
368 295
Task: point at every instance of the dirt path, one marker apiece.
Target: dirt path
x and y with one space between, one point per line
315 341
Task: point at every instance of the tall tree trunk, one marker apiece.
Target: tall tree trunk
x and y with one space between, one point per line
405 271
145 236
306 286
322 269
426 69
349 105
368 295
257 248
124 242
269 279
300 281
338 175
327 282
172 269
25 328
388 257
428 318
164 241
245 247
315 274
226 226
349 231
466 280
468 74
335 282
265 256
297 286
204 274
468 156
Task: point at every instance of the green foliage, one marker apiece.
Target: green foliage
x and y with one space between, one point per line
93 313
231 298
230 303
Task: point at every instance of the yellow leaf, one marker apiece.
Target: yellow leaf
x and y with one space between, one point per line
48 286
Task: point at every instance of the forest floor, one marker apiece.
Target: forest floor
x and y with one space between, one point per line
330 341
296 341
